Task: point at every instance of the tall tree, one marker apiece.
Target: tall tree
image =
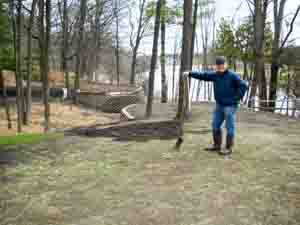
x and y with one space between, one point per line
29 61
65 44
259 21
244 42
44 43
207 15
207 19
185 53
117 52
4 95
79 63
136 37
46 61
98 28
164 83
153 59
19 79
168 16
277 46
195 17
7 61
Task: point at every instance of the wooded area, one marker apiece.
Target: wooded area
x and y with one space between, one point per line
83 40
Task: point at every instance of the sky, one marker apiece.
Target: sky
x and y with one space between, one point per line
224 9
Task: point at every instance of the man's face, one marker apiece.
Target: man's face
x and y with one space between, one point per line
220 68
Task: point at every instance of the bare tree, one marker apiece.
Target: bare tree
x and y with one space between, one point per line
65 44
136 37
195 17
6 103
259 21
19 80
116 14
277 45
175 54
44 42
79 63
164 84
186 51
29 60
153 59
207 15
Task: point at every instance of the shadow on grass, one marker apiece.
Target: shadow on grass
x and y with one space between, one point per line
203 131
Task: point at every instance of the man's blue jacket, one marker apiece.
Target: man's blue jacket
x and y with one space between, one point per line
229 88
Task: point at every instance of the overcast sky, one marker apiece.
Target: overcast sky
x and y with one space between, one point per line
224 8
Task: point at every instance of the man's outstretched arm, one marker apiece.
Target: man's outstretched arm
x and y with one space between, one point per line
206 76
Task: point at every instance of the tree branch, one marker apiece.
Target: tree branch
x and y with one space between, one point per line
290 30
249 6
26 9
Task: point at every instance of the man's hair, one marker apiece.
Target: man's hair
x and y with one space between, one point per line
220 60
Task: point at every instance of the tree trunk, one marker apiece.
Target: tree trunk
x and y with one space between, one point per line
245 67
19 82
263 88
273 83
65 46
195 16
42 51
99 11
6 103
153 60
186 54
79 63
133 65
288 92
138 39
29 62
44 41
164 84
253 91
259 38
46 82
174 68
278 19
117 43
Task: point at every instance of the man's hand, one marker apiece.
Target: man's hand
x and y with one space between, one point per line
186 74
241 104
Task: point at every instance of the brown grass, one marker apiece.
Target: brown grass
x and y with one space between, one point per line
79 180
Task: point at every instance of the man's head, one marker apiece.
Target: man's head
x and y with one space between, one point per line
220 64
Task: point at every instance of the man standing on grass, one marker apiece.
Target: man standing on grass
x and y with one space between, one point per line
229 90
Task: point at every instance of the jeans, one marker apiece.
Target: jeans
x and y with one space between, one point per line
227 113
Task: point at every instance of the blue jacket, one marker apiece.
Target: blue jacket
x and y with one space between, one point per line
229 88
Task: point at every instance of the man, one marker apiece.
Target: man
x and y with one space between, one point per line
229 90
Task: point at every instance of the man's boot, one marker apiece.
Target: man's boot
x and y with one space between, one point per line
229 146
217 143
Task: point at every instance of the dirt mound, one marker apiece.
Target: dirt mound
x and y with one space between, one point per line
132 131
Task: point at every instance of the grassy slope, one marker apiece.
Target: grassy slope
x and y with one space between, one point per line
94 181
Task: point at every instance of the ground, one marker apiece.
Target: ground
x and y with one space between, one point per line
96 180
63 116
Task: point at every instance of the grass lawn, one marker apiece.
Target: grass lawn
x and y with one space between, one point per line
96 181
